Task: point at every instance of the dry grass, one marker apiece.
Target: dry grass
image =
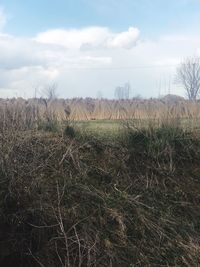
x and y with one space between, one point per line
69 202
94 109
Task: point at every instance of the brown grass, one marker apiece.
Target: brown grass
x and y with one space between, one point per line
93 109
71 202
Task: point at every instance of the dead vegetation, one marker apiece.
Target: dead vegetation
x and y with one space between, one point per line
103 109
71 202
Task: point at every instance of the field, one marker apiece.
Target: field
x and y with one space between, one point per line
113 129
103 129
99 192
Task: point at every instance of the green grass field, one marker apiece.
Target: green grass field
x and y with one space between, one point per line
113 129
100 128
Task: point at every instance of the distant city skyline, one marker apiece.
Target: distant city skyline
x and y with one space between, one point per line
90 47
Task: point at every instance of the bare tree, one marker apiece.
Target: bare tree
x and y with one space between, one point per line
51 91
188 74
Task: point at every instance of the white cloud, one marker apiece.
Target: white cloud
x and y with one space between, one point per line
74 38
92 37
125 40
84 61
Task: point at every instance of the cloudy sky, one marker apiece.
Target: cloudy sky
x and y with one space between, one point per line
87 46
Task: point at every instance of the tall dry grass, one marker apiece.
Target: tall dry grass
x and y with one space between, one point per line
88 109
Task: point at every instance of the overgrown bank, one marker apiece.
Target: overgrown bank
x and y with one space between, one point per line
72 202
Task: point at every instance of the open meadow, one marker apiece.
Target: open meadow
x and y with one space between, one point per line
90 192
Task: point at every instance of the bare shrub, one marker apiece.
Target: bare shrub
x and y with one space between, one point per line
188 74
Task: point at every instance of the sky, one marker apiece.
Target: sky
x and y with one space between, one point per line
91 46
